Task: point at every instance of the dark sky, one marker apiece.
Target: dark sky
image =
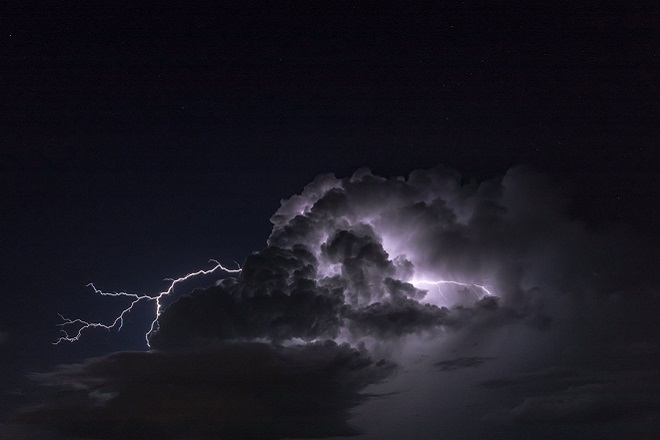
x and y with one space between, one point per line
138 142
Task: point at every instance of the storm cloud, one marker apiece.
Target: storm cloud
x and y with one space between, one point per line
343 259
344 291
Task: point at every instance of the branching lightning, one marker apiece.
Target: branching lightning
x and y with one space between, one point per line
136 298
70 334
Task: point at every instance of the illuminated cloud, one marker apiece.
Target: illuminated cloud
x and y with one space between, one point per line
344 258
493 283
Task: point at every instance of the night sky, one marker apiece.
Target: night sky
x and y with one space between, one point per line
344 156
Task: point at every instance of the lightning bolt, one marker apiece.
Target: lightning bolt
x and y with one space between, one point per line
118 322
471 286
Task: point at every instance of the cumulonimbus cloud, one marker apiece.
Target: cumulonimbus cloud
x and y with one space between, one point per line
344 256
354 267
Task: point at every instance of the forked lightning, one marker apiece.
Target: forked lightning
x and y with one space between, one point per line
136 298
438 283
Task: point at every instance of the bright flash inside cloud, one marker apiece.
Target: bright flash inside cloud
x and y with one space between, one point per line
477 289
359 256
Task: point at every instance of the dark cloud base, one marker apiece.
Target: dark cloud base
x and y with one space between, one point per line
459 363
606 403
239 390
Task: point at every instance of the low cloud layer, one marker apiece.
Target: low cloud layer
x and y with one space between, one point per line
238 390
494 283
466 362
